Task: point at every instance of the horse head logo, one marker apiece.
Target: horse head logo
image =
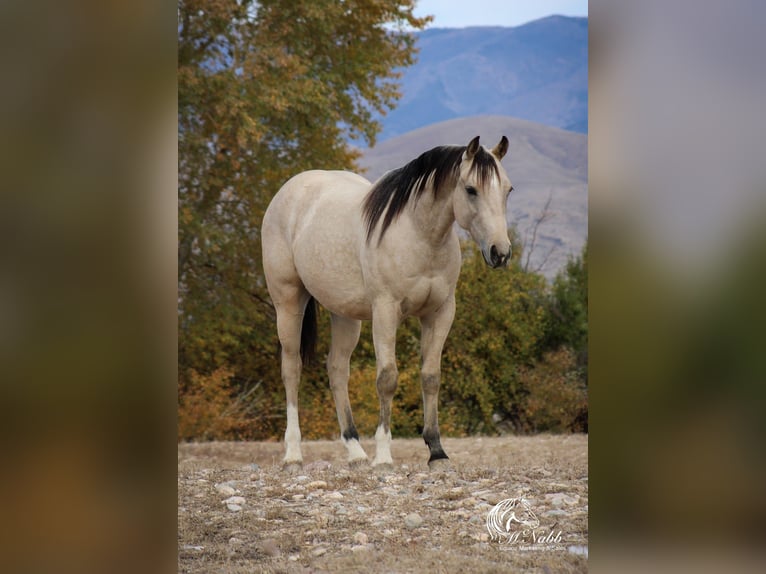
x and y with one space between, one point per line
509 518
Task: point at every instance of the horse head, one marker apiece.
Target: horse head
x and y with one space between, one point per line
480 200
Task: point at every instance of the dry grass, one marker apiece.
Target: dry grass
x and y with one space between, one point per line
330 518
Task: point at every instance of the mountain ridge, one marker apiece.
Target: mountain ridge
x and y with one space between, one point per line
536 71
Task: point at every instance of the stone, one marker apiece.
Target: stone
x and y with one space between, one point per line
270 547
360 538
234 507
335 495
555 512
413 520
225 489
234 500
314 484
319 551
561 499
318 465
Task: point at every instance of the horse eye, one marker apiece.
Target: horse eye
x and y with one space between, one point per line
510 190
471 190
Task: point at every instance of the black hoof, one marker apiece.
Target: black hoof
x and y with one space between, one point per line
439 464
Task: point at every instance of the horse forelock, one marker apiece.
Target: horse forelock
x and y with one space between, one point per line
438 167
485 165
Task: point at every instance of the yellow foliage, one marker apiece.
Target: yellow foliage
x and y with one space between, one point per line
557 400
206 410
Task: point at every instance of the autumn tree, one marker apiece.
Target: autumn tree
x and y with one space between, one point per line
568 309
265 90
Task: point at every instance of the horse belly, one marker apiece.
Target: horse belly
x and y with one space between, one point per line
326 252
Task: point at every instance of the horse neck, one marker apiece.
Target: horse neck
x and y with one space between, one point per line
433 217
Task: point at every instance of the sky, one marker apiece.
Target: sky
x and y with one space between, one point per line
461 13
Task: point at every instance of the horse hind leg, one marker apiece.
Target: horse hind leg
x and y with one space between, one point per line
345 336
290 312
384 323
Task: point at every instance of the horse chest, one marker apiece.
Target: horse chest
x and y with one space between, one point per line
423 295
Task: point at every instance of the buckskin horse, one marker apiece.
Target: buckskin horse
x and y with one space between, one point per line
380 252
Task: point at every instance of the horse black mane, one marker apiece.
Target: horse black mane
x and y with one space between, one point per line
440 165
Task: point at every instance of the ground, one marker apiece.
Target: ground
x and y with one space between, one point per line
239 512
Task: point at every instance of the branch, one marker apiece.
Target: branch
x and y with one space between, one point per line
545 214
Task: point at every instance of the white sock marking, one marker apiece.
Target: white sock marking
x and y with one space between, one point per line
355 450
382 447
293 436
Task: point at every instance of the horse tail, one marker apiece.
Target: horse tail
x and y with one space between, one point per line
309 333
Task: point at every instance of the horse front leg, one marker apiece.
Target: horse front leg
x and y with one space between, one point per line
434 331
385 320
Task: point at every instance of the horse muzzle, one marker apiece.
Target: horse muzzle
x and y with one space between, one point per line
496 258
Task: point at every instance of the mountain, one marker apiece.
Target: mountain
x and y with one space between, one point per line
542 162
537 71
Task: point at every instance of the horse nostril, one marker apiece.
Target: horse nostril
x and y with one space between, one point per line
493 256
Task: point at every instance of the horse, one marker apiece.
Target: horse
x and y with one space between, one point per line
380 252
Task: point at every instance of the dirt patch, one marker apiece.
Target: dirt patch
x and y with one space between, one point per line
238 511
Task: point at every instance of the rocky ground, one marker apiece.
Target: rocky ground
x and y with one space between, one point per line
238 511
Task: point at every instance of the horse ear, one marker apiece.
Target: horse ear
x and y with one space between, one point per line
472 148
501 148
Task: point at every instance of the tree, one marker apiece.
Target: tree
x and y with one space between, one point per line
568 309
265 90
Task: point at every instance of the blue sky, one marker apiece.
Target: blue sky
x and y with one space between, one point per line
461 13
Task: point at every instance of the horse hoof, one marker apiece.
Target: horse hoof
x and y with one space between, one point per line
439 464
383 467
292 467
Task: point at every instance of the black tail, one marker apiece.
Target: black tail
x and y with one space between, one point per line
309 333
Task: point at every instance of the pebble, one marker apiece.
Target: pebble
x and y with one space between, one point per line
317 484
225 489
413 520
335 495
578 549
318 465
270 547
234 500
559 499
360 548
319 551
234 507
360 538
298 496
555 512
